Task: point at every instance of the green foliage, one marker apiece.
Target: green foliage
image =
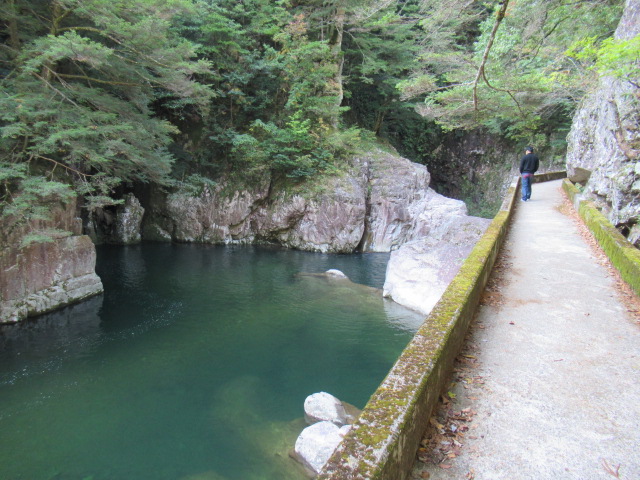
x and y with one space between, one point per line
531 87
97 95
297 151
42 236
82 95
194 184
25 197
613 57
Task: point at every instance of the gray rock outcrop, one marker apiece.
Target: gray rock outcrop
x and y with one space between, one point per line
121 225
420 271
128 221
382 203
330 220
604 142
42 277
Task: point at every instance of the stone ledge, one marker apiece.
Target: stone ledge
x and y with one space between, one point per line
549 176
385 438
623 255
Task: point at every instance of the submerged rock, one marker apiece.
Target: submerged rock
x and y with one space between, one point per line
335 273
330 421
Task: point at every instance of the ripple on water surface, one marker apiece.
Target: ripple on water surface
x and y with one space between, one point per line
194 364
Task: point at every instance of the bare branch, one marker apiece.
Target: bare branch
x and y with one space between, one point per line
84 175
97 80
485 56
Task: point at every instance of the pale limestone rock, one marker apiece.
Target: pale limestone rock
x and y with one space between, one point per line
402 206
322 406
316 444
335 273
420 271
331 220
383 202
128 221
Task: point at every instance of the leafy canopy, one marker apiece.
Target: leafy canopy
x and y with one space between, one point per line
83 91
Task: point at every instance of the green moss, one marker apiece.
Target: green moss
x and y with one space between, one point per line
423 365
623 255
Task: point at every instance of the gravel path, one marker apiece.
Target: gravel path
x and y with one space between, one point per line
548 386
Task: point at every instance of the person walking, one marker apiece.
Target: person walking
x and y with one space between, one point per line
528 166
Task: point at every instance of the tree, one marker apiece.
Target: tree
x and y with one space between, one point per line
85 86
516 80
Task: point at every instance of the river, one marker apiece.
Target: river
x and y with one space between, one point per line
194 365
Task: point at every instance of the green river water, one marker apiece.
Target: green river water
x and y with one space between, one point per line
194 365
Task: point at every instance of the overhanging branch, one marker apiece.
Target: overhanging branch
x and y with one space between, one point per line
485 56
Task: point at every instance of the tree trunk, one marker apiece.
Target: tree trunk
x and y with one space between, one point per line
335 44
14 38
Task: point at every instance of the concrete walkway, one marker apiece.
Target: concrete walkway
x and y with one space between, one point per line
553 388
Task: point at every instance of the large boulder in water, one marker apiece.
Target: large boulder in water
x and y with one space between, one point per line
420 271
322 406
316 444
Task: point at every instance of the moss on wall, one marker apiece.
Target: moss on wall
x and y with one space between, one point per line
384 440
623 255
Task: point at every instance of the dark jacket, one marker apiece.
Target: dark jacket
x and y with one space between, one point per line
529 163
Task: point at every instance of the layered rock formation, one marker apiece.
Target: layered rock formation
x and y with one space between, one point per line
42 277
384 202
604 142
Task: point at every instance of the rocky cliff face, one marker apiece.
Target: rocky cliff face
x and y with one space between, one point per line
45 276
478 167
382 203
120 225
604 142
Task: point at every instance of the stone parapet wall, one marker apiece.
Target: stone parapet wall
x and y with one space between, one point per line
623 255
549 176
385 438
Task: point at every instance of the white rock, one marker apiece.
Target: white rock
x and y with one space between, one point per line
323 406
335 273
419 272
128 221
316 444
